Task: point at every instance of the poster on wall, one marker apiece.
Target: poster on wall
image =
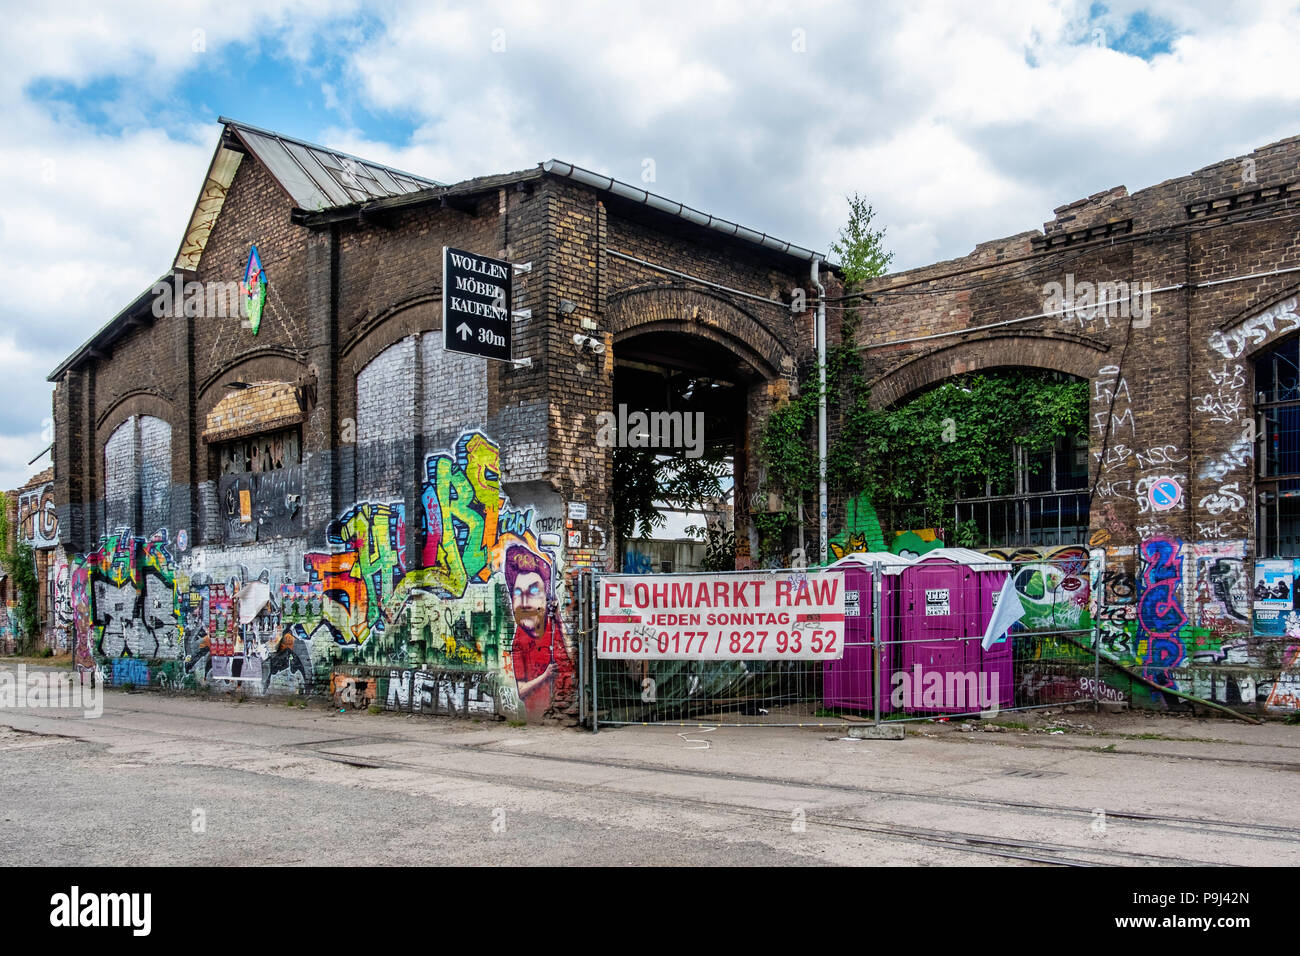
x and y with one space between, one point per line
1274 596
748 615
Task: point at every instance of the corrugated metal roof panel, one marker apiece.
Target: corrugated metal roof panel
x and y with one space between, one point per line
317 178
326 185
305 193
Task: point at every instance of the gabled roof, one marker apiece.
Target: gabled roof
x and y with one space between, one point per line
319 178
315 178
325 184
606 186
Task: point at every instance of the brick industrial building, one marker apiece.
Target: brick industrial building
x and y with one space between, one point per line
1190 497
331 500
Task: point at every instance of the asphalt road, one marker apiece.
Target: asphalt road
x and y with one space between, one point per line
188 781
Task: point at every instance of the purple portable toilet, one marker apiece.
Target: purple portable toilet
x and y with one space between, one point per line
847 683
947 600
992 574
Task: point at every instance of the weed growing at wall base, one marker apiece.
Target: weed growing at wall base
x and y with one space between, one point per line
50 689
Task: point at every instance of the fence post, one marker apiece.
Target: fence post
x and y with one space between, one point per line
1096 575
875 638
584 626
595 656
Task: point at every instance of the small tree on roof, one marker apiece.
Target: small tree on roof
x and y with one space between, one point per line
860 248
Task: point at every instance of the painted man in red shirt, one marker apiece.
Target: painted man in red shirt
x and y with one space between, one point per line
538 654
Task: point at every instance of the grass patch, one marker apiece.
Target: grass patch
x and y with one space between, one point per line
374 709
46 659
1009 724
517 723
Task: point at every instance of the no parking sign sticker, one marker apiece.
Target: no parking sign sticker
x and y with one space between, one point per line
1164 494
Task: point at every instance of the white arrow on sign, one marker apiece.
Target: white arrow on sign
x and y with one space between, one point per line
464 330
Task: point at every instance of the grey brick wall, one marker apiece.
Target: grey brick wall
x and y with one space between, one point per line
454 393
121 476
155 473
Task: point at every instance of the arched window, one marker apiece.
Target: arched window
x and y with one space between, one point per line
1038 493
138 475
1277 413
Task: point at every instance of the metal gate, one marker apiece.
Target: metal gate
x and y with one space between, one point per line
913 650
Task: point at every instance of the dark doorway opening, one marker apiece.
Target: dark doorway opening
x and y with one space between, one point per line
680 404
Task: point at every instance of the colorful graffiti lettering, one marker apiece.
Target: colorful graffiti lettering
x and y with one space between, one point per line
1160 611
123 601
358 580
462 503
38 521
359 610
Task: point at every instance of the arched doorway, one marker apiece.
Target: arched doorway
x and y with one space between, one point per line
680 454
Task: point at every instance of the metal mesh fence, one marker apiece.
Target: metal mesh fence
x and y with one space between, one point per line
913 648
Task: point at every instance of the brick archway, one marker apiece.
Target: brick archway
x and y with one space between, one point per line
1074 355
673 307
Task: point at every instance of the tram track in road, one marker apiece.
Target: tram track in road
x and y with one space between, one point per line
980 844
1261 831
350 750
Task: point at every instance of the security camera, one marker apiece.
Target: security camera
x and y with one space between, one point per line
588 342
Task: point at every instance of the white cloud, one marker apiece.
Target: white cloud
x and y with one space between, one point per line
960 124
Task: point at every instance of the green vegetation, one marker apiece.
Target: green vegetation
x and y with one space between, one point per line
719 546
644 478
19 560
919 454
860 248
909 461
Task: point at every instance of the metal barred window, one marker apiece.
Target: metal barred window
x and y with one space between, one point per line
1043 502
1277 412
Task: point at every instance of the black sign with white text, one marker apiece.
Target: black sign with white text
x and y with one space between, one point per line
475 304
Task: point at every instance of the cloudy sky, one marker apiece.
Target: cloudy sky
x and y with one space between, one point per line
961 122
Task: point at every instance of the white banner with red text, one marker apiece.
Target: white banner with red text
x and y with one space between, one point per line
775 615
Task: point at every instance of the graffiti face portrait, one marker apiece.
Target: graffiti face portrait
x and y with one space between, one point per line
528 601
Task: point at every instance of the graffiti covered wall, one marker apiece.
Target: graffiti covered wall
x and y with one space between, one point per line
1182 615
38 521
474 628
